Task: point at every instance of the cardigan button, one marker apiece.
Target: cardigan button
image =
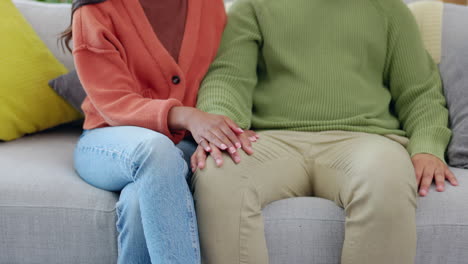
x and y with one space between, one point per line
176 80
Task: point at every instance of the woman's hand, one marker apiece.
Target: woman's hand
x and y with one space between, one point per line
198 159
207 128
429 168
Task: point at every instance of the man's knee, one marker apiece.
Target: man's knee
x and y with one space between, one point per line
381 173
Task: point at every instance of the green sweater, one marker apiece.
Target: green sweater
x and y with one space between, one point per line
316 65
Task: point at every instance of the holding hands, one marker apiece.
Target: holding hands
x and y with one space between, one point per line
198 160
213 133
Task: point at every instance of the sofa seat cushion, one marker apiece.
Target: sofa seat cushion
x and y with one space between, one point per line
47 213
311 230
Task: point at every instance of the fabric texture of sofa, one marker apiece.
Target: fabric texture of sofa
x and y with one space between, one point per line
49 215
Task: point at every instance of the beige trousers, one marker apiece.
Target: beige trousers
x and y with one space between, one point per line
368 175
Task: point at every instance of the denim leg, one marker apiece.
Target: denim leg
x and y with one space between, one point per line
145 164
188 147
131 240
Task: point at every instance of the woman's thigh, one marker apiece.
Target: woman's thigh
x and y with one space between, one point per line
109 157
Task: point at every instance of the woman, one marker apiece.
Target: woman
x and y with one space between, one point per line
140 63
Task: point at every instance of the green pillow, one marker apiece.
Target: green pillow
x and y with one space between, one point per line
27 103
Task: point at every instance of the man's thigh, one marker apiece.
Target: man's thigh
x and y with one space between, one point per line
361 163
275 171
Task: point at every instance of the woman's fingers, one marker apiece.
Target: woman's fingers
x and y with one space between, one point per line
205 145
232 136
217 156
235 157
439 176
233 126
224 140
451 177
215 141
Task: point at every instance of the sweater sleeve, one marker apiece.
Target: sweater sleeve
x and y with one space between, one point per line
228 87
415 85
107 80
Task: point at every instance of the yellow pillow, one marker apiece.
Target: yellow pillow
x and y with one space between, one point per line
27 103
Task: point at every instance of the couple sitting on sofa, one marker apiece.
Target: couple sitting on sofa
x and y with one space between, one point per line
344 100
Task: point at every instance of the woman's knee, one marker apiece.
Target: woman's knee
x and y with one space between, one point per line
157 153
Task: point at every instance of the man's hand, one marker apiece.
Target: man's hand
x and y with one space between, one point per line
429 168
198 159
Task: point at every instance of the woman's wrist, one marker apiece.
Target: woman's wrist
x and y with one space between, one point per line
178 117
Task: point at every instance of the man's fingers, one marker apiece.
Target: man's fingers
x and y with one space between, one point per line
428 176
251 135
451 177
193 160
217 156
418 170
246 144
201 158
439 180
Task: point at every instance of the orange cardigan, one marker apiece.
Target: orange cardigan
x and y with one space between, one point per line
129 77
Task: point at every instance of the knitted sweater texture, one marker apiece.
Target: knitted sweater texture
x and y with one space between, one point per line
318 65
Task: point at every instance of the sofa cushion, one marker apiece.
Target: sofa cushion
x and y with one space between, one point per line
49 20
454 70
47 213
311 230
443 28
69 87
28 104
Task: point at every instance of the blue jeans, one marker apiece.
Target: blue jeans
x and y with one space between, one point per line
156 216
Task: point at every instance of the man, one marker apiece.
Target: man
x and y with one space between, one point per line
348 106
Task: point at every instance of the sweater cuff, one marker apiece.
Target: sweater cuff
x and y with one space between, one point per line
431 141
162 119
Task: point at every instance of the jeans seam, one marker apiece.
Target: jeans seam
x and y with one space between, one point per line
192 225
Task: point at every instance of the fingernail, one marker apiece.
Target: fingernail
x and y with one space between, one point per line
218 162
223 147
423 192
238 145
440 188
240 130
208 149
200 164
237 159
232 150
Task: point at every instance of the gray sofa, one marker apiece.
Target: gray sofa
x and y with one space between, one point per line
49 215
